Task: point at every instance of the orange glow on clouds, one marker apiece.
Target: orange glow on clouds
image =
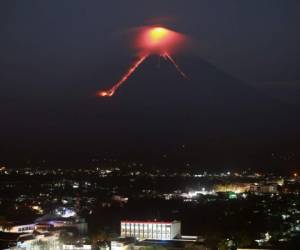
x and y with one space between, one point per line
157 34
158 40
151 40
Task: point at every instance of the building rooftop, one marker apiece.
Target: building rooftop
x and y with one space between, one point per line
127 240
149 221
164 243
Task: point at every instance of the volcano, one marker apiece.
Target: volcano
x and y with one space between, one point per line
210 101
216 116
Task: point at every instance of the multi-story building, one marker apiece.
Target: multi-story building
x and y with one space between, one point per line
18 228
17 241
265 188
156 230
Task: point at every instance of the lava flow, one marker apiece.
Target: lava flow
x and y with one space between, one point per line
167 56
151 40
111 91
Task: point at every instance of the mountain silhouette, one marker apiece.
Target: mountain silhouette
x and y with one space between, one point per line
210 115
157 102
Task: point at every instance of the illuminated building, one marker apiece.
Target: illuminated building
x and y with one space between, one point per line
122 244
232 187
77 247
157 230
26 228
61 218
17 241
265 188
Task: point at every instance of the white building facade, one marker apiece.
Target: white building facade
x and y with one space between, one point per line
27 228
156 230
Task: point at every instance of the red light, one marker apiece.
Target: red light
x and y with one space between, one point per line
151 40
159 39
105 93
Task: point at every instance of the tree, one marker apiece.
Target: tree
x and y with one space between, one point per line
41 245
4 224
153 248
222 245
103 236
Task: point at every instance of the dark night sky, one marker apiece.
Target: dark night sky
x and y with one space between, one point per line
240 105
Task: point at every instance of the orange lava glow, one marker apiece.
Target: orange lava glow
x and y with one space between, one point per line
157 39
153 40
157 35
130 71
167 56
103 93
